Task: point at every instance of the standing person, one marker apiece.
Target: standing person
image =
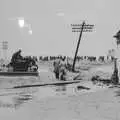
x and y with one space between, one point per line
56 65
63 69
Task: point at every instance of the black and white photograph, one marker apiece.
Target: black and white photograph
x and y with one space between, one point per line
59 60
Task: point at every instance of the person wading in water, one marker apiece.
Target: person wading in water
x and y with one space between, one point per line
56 65
60 69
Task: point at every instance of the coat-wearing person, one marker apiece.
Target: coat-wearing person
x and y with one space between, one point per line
63 71
56 65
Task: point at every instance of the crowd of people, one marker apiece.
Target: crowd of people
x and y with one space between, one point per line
79 58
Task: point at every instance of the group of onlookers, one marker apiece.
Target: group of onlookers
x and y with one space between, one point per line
79 58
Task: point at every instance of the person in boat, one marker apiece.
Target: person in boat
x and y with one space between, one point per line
17 57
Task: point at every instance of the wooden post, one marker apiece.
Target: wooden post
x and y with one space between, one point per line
115 77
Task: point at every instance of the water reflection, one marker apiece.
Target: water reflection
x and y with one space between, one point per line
9 82
20 100
61 88
13 101
16 98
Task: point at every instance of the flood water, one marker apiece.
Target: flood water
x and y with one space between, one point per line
17 97
44 102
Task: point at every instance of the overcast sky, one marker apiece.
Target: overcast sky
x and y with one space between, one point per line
50 21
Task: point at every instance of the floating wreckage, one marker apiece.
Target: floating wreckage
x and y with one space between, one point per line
106 78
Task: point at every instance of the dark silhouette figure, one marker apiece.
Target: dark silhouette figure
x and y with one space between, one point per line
16 57
115 77
56 65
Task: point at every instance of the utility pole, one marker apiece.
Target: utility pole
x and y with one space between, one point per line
80 28
5 48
